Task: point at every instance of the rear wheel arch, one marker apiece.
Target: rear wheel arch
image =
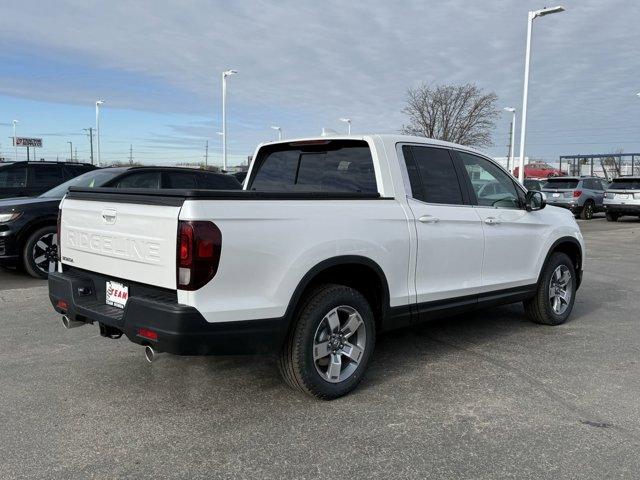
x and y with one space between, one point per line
360 273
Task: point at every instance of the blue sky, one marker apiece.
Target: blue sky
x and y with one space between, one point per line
303 65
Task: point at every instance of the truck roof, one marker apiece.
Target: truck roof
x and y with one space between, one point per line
385 137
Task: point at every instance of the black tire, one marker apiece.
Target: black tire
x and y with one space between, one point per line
612 217
539 309
32 252
296 362
587 210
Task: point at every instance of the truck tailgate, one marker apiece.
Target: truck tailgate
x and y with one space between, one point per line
128 240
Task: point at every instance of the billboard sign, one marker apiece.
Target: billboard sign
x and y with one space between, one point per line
28 142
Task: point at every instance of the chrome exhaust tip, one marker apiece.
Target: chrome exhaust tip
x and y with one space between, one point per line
151 354
68 323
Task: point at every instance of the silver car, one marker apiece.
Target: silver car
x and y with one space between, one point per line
622 198
582 195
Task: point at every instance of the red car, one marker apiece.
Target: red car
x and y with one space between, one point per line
539 170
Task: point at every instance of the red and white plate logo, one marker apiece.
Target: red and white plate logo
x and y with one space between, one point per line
117 294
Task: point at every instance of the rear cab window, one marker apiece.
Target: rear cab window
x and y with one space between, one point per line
561 184
337 166
625 184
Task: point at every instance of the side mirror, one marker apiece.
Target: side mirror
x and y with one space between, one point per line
534 200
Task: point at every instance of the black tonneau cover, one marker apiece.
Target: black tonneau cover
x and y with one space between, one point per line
177 197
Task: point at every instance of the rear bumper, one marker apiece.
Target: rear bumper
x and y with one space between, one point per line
573 207
622 209
180 329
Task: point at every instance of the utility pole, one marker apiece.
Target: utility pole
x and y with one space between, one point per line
90 135
206 154
130 154
70 151
15 145
76 152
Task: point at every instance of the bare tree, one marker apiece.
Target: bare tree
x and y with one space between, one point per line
462 114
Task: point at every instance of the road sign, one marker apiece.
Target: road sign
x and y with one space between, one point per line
28 142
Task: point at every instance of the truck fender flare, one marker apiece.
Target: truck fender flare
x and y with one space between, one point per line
332 262
554 246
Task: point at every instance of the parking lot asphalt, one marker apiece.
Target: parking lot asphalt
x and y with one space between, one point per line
486 395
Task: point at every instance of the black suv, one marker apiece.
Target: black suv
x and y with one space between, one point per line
28 225
28 179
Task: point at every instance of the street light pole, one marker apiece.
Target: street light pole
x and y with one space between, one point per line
98 103
531 16
512 132
225 74
70 151
275 127
348 122
15 145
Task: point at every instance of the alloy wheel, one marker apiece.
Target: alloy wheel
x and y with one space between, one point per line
45 253
339 344
560 289
589 212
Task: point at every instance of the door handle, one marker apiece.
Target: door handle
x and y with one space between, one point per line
492 221
428 219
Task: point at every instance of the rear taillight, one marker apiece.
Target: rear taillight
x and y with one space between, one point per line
198 253
577 193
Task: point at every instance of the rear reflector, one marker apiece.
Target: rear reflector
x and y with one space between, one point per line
146 333
198 255
62 304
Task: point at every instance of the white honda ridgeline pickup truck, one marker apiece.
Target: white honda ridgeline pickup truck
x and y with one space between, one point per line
332 241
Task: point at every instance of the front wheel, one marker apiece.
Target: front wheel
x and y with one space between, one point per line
556 292
40 252
328 349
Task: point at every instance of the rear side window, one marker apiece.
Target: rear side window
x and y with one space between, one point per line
180 180
45 175
213 181
140 180
13 176
432 175
327 166
72 171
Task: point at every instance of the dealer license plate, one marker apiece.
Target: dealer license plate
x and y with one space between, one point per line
117 294
623 196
